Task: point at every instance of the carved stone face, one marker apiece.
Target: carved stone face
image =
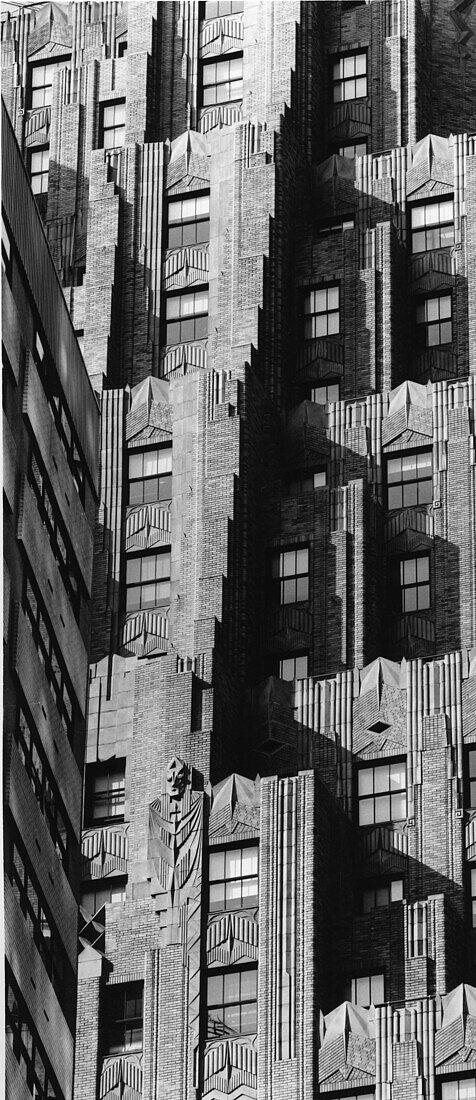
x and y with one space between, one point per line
177 775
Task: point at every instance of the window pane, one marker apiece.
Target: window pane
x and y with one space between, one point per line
377 990
381 778
366 811
382 808
216 865
365 781
396 890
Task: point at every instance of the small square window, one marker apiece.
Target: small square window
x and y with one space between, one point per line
381 894
321 312
290 571
307 482
433 319
113 124
349 77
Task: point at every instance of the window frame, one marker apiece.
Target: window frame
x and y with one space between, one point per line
103 885
294 658
183 319
112 129
328 312
427 326
470 780
424 485
43 783
373 977
383 792
221 101
132 991
282 580
225 9
140 584
188 222
143 480
352 145
460 1079
43 174
113 797
224 1003
429 227
420 584
381 884
51 656
339 81
54 65
328 387
243 900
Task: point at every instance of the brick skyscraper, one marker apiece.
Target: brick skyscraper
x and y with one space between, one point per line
264 220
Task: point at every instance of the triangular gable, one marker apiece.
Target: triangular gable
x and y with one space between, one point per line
430 189
405 438
50 50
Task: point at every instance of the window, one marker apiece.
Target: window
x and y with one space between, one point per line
382 793
325 394
38 918
290 571
321 313
307 482
349 77
150 475
96 894
27 1048
410 480
433 318
58 535
105 792
123 1017
49 654
233 876
187 317
60 414
222 81
43 783
40 93
432 225
147 581
113 124
231 1002
293 668
223 7
368 990
472 779
188 221
122 48
351 149
414 594
39 165
381 894
460 1088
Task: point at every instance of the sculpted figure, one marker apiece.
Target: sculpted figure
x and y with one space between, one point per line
177 776
175 839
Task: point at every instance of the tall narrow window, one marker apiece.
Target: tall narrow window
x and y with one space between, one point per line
290 571
349 77
472 779
40 83
321 312
233 875
105 792
39 158
433 318
432 225
113 124
414 584
123 1017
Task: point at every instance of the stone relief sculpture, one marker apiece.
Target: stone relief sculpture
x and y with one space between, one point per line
175 839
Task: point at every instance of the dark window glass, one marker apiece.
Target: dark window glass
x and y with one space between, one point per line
381 894
113 124
293 668
188 221
58 535
381 791
38 918
44 786
105 892
49 654
123 1017
26 1045
459 1088
187 317
414 584
105 792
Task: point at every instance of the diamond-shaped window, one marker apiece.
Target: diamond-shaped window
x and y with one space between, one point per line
378 727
